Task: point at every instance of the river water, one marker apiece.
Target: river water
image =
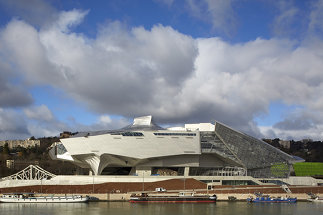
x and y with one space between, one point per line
125 208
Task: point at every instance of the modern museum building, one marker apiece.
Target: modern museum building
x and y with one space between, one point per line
195 150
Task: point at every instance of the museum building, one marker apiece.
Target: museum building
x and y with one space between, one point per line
203 149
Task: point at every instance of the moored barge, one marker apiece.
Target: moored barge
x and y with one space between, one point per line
180 198
31 198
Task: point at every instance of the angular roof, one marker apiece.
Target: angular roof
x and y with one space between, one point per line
144 123
252 152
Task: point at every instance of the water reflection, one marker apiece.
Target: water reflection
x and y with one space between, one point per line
42 208
125 208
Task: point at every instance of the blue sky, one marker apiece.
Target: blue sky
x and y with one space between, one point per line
254 65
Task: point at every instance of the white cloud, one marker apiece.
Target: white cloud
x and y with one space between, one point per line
42 123
104 122
68 19
121 66
13 95
41 113
105 119
217 12
284 22
315 24
298 134
12 125
160 71
36 12
25 53
167 2
18 125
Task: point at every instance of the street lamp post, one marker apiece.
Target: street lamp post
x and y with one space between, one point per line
143 181
93 183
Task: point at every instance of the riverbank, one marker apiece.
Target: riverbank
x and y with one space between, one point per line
122 197
121 191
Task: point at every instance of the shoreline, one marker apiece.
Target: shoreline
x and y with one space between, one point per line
125 197
121 191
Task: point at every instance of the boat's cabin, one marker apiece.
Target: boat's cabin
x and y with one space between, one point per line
186 193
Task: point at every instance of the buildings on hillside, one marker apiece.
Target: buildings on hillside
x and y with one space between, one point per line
22 143
202 149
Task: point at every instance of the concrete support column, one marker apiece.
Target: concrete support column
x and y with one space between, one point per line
186 171
133 171
143 172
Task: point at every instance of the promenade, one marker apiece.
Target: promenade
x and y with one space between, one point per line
121 191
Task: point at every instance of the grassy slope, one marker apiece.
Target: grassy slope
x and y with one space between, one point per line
308 169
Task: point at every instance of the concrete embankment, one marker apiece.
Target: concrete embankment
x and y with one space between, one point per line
221 197
121 191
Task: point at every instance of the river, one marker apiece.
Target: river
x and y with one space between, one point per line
125 208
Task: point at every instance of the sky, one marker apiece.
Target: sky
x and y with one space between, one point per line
72 65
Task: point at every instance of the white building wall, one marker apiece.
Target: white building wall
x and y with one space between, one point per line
103 150
141 147
200 127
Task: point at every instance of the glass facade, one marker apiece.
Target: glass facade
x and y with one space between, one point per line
217 171
60 149
175 134
260 159
238 182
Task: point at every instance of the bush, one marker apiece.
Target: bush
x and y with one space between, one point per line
279 170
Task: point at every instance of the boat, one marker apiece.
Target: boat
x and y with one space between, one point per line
315 198
269 199
232 198
180 198
31 198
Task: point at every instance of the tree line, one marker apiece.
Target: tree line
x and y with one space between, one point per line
36 155
309 150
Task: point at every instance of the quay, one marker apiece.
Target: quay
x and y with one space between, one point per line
119 197
121 191
123 197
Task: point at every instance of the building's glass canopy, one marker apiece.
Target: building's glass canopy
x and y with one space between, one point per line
259 158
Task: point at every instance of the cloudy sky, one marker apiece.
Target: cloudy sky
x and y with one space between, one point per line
255 65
